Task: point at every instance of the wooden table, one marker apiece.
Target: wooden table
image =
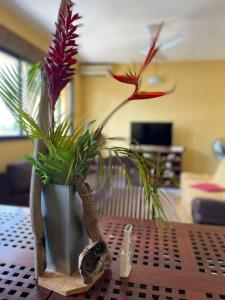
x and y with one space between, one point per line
179 262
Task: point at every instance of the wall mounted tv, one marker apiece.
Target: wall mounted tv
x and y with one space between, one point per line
156 134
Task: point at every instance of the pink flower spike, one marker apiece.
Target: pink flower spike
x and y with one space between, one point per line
58 64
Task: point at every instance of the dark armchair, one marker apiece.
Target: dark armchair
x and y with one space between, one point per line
208 211
15 184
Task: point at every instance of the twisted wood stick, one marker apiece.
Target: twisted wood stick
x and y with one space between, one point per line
90 215
35 190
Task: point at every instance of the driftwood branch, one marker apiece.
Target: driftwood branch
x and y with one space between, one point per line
90 219
36 185
90 216
35 190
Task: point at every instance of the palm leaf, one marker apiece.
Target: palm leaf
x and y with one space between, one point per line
33 89
142 165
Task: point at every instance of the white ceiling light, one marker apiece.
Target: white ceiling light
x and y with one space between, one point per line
155 80
168 43
171 42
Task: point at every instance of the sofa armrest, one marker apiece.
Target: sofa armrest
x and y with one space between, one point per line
208 211
18 176
4 186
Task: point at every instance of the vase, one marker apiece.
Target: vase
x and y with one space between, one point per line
65 235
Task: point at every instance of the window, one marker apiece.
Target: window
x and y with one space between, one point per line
9 129
8 125
65 106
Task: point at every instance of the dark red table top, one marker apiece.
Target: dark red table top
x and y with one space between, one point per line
176 263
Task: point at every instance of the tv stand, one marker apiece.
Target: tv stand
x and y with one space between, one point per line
167 159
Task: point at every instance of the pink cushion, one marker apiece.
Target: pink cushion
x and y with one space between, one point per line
208 187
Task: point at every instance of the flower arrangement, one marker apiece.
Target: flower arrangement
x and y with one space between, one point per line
63 155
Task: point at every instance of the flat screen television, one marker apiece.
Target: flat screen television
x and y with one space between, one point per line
156 134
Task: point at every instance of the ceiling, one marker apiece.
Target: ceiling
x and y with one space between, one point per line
115 30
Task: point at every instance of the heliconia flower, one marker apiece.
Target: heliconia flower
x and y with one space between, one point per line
134 79
128 78
141 95
59 63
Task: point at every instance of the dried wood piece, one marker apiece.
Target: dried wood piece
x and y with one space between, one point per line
35 190
90 216
92 261
37 225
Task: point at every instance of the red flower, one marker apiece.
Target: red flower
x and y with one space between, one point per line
146 95
61 56
128 78
134 79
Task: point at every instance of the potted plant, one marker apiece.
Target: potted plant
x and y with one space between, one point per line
63 155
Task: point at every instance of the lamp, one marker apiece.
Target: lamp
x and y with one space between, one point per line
218 147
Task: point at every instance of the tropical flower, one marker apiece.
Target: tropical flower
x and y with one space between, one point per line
135 79
59 63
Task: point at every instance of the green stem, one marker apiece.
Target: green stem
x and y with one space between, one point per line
116 109
112 113
51 119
